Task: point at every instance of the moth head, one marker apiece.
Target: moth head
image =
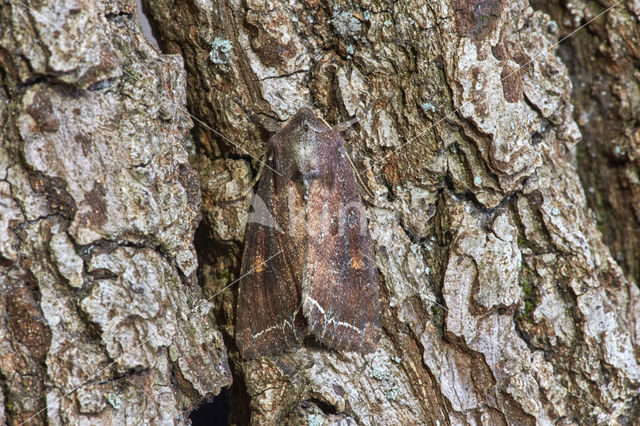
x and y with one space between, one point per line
309 144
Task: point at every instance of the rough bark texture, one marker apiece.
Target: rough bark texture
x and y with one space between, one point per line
98 208
502 303
604 67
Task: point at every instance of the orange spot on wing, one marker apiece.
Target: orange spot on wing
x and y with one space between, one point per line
356 262
258 265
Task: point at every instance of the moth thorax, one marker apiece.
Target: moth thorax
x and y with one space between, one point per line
307 154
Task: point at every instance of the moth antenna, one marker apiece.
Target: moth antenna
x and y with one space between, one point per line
341 127
254 181
365 192
267 123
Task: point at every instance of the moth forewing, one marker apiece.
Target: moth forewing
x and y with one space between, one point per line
327 270
340 290
267 322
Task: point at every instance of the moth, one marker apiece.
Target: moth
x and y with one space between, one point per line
308 264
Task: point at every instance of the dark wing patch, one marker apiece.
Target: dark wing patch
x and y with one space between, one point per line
340 288
269 319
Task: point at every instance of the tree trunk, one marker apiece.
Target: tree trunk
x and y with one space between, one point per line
101 317
502 303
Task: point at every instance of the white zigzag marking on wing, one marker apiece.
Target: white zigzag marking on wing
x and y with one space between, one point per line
332 319
281 326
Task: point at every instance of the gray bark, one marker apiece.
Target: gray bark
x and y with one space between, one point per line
502 302
101 317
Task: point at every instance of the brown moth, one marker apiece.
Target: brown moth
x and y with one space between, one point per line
308 265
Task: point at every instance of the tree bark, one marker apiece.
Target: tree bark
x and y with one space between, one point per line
101 317
502 302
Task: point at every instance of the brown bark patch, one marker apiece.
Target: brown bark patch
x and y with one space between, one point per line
475 18
512 85
27 323
270 50
96 199
41 111
85 143
55 191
